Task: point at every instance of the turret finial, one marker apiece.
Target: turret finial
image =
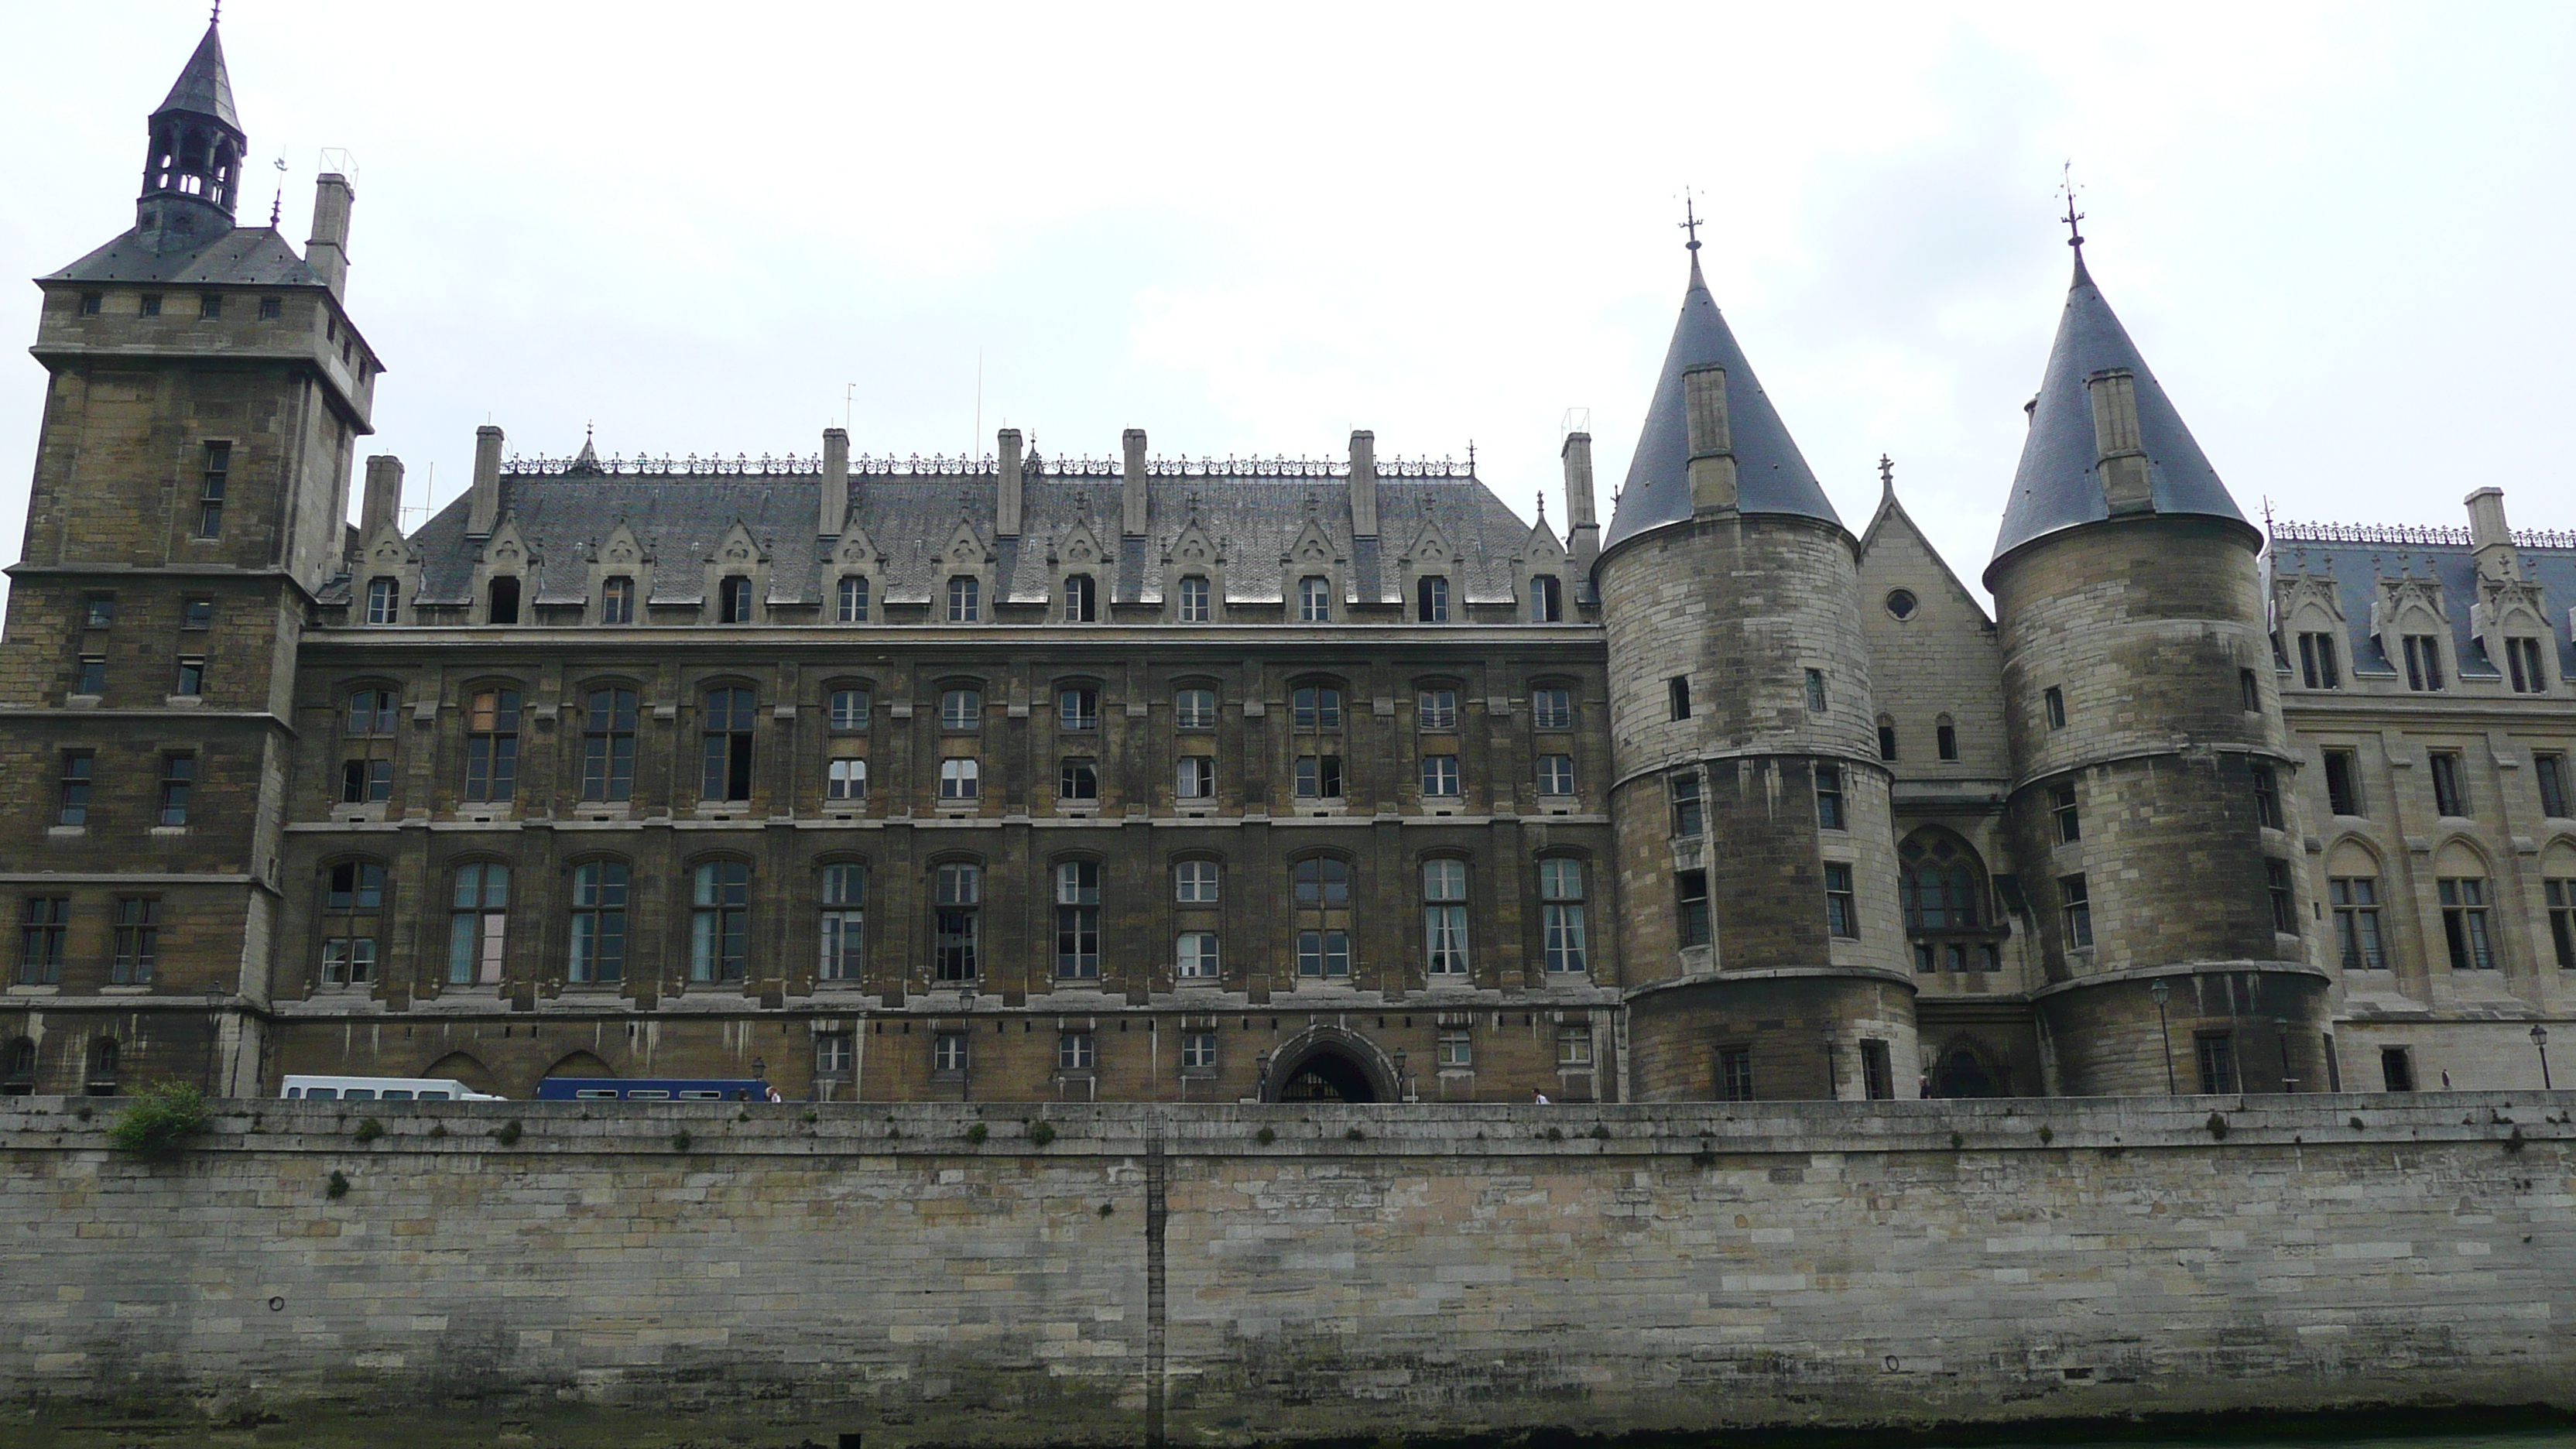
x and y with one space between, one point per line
2066 188
1886 474
1689 221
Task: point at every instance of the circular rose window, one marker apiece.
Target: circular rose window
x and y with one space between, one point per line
1901 603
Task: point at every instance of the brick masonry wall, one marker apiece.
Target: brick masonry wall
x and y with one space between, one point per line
775 1280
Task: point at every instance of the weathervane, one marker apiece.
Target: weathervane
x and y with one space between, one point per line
277 205
1690 220
2066 187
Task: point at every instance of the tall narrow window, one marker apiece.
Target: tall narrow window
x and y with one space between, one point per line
2562 921
1677 696
957 922
1560 894
44 931
841 933
2423 662
1194 599
853 594
1080 607
849 710
2055 701
71 795
725 735
1551 709
2319 664
1077 709
478 923
720 922
2063 813
1886 738
1077 920
1436 709
2450 797
503 605
2356 914
1690 902
1194 778
2215 1054
1439 774
617 600
1431 600
2343 783
608 745
1314 600
210 489
1877 1072
2249 692
2276 885
2267 797
2522 656
1547 599
733 600
1735 1074
960 780
138 940
1945 740
384 601
1842 909
965 599
1444 916
1816 691
961 709
2396 1069
2464 924
1556 775
1829 797
1194 709
598 923
492 745
1321 891
1689 820
2075 908
2549 771
353 894
178 787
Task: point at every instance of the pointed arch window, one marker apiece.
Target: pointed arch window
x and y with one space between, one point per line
1941 887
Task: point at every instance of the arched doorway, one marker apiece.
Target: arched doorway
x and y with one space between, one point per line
1962 1073
1329 1064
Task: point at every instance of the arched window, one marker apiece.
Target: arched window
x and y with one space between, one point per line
1077 920
842 930
1887 737
1941 885
1321 889
1547 599
599 922
18 1069
720 922
1444 916
1945 738
1431 599
104 1055
726 735
504 607
608 745
478 921
492 745
1194 606
1080 606
353 899
1560 893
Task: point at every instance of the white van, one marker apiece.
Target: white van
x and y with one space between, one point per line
383 1089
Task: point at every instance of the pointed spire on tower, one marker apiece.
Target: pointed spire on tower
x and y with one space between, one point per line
204 87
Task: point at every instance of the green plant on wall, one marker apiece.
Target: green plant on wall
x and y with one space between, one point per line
158 1122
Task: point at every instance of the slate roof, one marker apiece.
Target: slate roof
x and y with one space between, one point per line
1771 475
204 87
2055 486
248 256
1254 523
2357 568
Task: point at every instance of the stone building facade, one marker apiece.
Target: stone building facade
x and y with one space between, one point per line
1151 779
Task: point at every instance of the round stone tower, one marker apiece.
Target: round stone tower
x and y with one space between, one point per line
2151 812
1756 845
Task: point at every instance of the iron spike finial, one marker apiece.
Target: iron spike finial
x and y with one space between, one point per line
2066 187
1689 221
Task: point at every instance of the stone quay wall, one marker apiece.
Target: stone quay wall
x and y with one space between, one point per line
791 1274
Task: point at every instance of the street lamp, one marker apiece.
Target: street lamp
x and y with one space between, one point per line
2540 1044
2164 1029
2281 1034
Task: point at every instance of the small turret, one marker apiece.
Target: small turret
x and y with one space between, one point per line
192 174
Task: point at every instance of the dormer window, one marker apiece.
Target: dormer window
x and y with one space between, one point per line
2423 663
271 308
210 304
1080 606
733 600
1314 600
151 304
93 303
1194 599
384 601
1431 600
854 599
617 600
965 603
2318 667
2522 660
1547 599
504 608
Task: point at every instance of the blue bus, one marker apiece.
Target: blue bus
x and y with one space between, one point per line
678 1089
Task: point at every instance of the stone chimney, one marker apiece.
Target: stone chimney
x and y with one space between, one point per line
1006 509
2490 537
483 506
835 515
1582 527
2120 454
1712 441
1133 441
327 253
1363 483
382 503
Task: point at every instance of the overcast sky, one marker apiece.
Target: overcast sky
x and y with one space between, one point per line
2338 233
